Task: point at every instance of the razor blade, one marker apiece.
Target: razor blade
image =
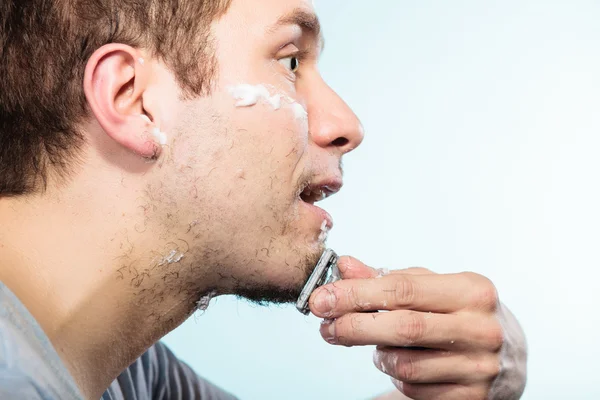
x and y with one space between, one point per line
325 272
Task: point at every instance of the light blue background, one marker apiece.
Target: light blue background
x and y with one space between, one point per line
482 121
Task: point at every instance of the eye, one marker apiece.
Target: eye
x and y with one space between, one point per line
291 63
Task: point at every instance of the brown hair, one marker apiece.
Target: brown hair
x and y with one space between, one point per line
44 48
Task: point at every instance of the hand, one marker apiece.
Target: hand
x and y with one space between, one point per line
441 337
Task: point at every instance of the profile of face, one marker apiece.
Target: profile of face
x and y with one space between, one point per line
233 190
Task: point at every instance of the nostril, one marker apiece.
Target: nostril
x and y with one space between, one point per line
340 142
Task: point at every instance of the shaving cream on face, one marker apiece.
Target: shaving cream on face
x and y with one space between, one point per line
324 231
299 111
159 135
173 257
249 95
203 303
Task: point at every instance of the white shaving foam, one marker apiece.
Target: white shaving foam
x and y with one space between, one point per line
141 60
159 135
299 111
173 257
247 95
203 303
382 272
324 232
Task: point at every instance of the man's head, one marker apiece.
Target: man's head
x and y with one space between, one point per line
187 134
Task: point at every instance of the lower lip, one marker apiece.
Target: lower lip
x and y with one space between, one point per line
321 214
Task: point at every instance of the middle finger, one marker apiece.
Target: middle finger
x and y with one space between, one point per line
414 329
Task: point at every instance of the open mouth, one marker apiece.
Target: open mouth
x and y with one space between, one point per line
313 193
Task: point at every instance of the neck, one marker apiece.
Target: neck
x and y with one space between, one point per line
93 294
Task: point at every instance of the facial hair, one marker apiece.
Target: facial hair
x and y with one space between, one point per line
264 294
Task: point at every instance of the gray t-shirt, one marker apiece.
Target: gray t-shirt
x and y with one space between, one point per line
30 368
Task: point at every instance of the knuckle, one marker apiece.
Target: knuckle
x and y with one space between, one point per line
408 370
410 328
356 323
494 336
485 295
420 270
356 294
404 292
472 277
490 368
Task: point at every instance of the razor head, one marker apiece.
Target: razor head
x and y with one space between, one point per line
325 272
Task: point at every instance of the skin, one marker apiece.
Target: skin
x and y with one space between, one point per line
140 231
441 336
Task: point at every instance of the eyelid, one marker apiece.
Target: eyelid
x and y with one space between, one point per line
288 52
299 54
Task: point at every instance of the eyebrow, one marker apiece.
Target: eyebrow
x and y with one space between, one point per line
306 20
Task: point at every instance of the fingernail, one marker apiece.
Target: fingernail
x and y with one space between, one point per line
377 361
325 302
328 331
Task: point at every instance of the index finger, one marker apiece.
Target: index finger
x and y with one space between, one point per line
434 293
352 268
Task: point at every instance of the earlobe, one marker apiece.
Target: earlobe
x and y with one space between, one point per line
114 84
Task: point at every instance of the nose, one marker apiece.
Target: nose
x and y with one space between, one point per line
332 124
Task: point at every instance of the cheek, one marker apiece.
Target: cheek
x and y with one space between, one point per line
245 160
272 137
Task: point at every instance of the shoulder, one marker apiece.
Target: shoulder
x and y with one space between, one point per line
27 374
159 374
30 368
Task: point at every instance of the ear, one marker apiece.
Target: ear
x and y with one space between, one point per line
115 80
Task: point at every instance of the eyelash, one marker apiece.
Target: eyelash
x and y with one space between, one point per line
301 56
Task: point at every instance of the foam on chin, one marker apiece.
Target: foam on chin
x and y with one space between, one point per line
324 232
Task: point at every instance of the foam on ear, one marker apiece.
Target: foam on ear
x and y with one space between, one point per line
160 136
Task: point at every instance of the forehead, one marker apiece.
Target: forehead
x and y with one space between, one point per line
259 9
260 16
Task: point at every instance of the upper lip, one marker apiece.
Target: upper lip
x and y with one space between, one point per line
313 192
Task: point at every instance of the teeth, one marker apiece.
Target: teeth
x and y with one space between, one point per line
319 195
314 195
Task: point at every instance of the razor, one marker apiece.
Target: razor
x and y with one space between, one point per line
325 272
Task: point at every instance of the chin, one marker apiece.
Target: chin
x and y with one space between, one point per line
282 288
